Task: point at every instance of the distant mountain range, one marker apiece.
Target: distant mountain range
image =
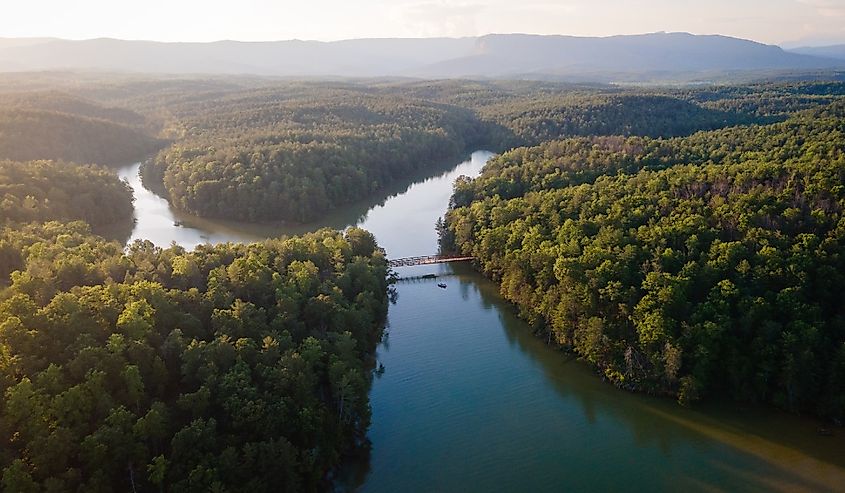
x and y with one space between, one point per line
663 55
835 51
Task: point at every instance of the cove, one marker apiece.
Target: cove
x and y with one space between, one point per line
470 400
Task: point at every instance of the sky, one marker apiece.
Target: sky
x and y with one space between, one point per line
785 22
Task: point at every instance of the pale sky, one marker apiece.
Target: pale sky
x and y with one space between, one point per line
769 21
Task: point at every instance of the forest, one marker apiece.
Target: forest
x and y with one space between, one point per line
43 191
684 241
57 126
264 157
260 150
295 152
227 368
700 267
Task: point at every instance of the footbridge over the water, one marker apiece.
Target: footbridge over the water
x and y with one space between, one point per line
427 259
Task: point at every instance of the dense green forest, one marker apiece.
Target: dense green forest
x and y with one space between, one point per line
228 368
535 120
263 150
53 191
267 157
57 126
703 266
295 151
771 100
534 112
62 102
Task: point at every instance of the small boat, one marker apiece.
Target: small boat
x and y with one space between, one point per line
178 224
441 285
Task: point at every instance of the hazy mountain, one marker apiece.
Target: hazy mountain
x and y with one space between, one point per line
504 55
500 55
834 51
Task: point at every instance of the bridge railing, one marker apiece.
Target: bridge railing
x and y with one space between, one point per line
427 260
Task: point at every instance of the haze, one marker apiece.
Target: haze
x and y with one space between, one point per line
784 22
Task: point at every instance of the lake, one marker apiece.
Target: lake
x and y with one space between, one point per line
470 400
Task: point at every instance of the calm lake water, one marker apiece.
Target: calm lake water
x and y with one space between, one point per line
470 400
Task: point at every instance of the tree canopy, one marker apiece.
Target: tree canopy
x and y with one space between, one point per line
265 156
694 266
228 368
57 126
40 191
293 152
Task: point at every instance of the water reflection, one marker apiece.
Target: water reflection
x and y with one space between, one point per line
472 401
401 216
729 446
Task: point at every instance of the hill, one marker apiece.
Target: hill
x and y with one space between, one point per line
58 126
268 155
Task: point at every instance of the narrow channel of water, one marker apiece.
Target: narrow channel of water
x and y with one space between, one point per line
402 217
470 400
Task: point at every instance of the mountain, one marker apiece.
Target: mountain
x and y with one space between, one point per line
495 55
507 55
834 51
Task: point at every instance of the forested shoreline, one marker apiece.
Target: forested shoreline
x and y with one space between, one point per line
295 152
701 266
236 367
292 151
231 367
55 191
260 159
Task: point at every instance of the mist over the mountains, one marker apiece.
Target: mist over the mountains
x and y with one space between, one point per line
490 56
834 51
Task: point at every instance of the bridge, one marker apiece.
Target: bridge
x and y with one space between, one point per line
427 260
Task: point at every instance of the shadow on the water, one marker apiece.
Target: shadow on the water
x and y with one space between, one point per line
769 440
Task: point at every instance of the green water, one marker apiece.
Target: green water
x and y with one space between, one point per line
470 400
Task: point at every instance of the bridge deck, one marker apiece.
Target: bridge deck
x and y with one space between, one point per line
426 260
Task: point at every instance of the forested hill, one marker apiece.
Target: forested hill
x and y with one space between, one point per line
269 156
703 266
267 150
60 127
40 191
36 192
62 102
540 119
535 112
304 149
